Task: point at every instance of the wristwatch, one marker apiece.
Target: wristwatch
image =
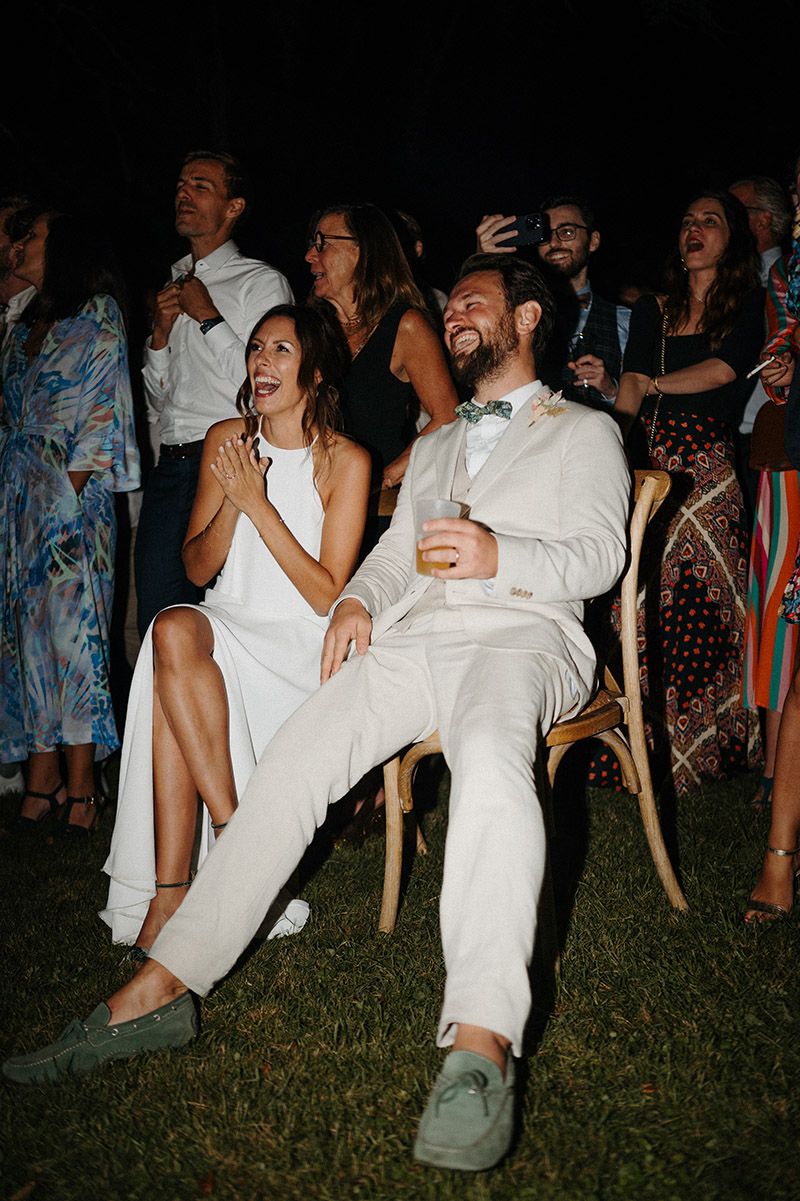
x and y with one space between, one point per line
210 322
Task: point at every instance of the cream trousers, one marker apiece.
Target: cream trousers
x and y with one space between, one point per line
492 708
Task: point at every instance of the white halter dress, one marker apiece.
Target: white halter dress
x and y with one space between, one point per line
268 644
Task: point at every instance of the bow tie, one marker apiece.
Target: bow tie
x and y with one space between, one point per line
473 413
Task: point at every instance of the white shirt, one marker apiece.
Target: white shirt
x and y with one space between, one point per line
14 310
483 435
758 396
194 380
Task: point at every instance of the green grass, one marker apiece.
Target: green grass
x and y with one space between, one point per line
665 1068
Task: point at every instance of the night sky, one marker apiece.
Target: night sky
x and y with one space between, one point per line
434 111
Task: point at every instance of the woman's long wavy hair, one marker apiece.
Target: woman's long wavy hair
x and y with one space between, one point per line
323 352
737 274
382 276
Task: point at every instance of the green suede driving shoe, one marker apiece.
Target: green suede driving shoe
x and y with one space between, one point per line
88 1044
469 1119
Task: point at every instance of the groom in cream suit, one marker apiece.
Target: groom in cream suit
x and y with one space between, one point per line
491 651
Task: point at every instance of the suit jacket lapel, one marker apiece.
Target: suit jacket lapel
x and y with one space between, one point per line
454 441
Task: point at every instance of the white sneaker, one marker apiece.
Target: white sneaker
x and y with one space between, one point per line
292 920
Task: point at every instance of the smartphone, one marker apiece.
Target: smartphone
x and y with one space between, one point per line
532 229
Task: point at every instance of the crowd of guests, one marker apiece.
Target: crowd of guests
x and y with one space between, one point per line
718 647
280 427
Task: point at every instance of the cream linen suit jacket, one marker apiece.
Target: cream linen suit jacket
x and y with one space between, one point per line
556 496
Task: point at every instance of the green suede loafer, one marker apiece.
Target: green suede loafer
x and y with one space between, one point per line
469 1119
88 1044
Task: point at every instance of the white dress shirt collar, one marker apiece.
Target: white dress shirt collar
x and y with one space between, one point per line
211 262
483 436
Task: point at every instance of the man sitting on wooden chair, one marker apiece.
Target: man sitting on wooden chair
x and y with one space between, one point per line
490 650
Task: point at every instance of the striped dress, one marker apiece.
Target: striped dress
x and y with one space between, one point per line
771 640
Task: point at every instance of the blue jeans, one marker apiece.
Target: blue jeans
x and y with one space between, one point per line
158 567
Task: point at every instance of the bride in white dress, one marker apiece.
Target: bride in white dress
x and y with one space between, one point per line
279 513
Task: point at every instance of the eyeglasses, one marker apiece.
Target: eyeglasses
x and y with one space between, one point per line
565 233
319 239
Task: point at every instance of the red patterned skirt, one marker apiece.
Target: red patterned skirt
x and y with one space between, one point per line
692 620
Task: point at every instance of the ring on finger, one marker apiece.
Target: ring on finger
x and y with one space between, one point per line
455 548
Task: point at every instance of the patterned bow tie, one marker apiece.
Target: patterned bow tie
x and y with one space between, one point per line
473 413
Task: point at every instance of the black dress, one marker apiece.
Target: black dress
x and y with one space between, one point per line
377 407
692 632
378 410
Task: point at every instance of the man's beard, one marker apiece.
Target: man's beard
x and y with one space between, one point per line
570 267
488 360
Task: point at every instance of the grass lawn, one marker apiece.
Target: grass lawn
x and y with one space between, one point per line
665 1067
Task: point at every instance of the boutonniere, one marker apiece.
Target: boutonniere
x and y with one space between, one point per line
546 404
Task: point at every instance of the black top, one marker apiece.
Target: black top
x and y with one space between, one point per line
378 408
740 350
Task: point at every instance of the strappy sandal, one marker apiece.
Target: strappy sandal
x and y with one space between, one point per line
137 955
770 908
80 834
31 825
765 787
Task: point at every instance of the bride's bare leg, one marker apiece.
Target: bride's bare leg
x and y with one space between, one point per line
776 882
191 753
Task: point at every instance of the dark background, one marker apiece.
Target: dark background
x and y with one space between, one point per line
445 114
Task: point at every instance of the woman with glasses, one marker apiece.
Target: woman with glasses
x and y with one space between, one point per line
684 376
359 269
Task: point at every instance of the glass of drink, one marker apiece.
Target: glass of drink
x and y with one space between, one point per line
582 344
429 509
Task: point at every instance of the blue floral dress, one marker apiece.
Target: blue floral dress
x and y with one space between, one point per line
70 409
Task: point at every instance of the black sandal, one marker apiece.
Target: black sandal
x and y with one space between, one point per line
137 955
80 834
30 825
772 910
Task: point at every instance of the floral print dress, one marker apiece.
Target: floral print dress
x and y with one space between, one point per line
69 409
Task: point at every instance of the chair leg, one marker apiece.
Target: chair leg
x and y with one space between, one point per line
394 847
655 837
422 846
638 771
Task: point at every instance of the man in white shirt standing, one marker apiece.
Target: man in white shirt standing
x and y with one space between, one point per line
194 363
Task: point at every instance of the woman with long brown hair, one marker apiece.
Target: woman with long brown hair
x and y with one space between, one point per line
278 517
688 353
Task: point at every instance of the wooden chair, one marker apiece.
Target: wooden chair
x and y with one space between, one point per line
614 715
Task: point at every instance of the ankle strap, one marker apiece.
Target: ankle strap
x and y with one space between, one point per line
776 851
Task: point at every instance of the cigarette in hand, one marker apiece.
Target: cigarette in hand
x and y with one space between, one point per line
760 367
